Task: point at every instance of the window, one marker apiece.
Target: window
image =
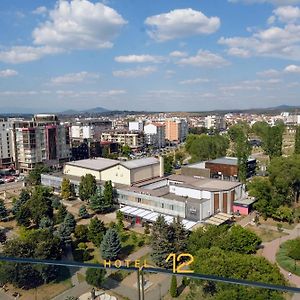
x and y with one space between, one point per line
139 200
162 205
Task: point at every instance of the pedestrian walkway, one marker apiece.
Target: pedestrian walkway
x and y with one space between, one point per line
269 252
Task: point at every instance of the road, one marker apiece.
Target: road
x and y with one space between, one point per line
11 186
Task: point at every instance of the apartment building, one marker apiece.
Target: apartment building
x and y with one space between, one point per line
6 143
176 130
40 140
89 129
155 134
136 126
215 122
135 140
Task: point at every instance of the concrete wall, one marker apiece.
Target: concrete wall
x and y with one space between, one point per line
117 174
144 173
189 171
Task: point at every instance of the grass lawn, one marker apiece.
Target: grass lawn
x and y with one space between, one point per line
274 223
285 261
266 235
131 242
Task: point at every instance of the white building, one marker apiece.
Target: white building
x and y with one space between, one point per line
136 126
155 134
6 142
215 122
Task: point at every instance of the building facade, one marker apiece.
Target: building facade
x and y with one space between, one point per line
176 130
155 134
40 140
135 140
6 143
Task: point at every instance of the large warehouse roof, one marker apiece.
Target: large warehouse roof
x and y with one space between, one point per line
138 163
232 161
99 164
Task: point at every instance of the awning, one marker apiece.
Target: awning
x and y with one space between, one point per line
151 216
218 219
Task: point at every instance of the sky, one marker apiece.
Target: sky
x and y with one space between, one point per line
162 55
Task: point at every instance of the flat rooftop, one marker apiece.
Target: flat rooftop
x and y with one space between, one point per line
203 183
96 164
232 161
99 163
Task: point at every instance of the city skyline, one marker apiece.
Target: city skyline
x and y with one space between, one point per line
163 56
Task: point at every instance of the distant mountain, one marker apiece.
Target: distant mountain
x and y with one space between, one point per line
95 110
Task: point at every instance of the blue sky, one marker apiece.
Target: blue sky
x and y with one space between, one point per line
166 55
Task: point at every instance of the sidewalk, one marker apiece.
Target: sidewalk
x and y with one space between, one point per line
269 252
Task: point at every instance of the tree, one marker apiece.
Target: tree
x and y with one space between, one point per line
95 277
205 147
34 177
83 213
206 237
39 204
293 247
239 239
97 202
126 150
23 198
108 195
173 287
45 223
87 187
61 214
110 245
2 236
39 244
64 234
161 246
218 262
23 216
178 236
297 141
3 210
96 231
70 222
271 137
239 137
284 214
120 219
168 164
66 191
81 233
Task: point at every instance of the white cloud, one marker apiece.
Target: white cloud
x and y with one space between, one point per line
178 54
79 24
280 42
274 2
134 72
41 10
204 58
238 52
287 14
180 23
194 81
269 73
144 58
292 69
21 54
8 73
74 78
